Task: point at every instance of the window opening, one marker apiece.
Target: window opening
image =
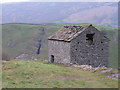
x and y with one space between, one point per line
89 38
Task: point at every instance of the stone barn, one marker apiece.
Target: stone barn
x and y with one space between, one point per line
84 45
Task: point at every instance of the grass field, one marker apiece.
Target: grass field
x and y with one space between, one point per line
40 74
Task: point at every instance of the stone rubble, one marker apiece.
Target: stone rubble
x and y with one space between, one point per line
25 57
99 70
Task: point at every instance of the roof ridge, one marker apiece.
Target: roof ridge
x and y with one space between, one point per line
68 32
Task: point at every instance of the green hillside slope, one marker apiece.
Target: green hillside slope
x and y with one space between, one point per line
24 39
40 74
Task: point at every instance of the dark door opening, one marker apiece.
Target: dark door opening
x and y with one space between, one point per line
52 58
89 38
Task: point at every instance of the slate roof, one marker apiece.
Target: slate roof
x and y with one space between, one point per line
67 33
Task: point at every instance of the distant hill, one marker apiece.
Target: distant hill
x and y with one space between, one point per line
61 12
23 40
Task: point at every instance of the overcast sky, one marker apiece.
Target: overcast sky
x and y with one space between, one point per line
9 1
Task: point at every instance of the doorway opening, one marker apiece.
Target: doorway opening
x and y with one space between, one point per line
52 58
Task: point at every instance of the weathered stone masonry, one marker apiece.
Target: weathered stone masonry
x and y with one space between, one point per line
83 45
60 50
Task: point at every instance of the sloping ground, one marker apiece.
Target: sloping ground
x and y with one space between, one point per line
40 74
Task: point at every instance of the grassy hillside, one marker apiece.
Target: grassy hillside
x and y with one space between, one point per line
40 74
17 38
23 38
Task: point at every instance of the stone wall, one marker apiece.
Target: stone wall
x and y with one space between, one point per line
60 50
85 54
